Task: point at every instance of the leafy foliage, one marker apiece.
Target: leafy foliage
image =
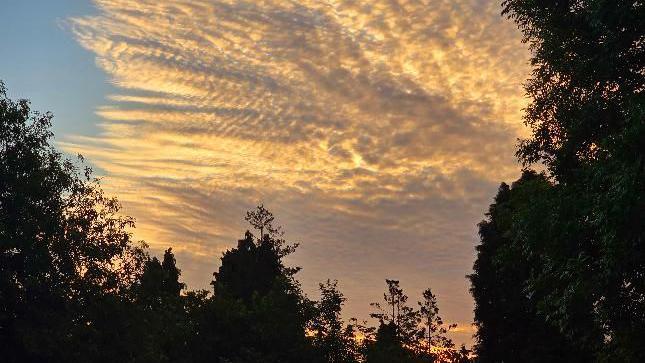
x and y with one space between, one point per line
506 304
65 251
579 230
333 340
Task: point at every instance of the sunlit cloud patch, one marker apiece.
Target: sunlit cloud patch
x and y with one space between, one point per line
376 130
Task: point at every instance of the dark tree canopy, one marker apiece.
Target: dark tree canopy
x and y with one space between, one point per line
587 82
257 301
248 270
334 341
387 346
161 279
506 308
64 248
581 233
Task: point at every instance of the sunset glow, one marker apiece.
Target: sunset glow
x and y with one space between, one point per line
375 130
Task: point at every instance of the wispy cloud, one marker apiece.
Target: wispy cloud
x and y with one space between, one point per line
377 130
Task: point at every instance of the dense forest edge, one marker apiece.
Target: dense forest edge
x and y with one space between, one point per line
559 274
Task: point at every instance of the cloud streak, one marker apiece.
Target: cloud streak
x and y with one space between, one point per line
377 131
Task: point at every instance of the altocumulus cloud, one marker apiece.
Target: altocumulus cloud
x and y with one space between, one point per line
376 130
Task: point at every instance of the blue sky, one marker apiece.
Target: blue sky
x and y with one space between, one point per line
40 60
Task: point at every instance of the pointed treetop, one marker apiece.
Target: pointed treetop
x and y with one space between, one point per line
262 219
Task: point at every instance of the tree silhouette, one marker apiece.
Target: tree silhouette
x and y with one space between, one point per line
586 116
260 218
258 301
408 335
248 269
161 279
506 314
65 251
335 342
433 334
403 317
387 345
161 314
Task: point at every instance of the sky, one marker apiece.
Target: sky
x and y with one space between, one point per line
376 131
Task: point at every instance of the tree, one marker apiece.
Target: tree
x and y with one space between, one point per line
433 334
260 218
161 279
161 315
258 301
387 346
334 341
506 306
408 335
586 117
65 252
587 81
171 284
247 270
397 313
